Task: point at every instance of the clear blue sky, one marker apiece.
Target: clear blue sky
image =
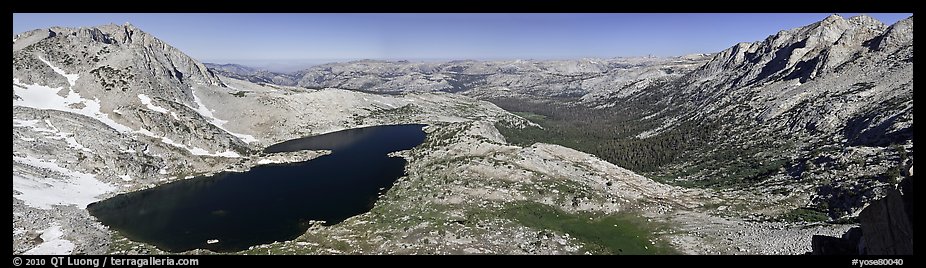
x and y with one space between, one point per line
237 37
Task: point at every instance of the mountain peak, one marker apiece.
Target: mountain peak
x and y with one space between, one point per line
867 22
113 53
833 18
828 30
129 27
862 18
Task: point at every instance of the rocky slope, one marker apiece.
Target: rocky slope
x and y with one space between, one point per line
98 111
828 105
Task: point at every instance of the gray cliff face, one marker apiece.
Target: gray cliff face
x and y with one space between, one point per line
820 63
119 67
799 53
111 54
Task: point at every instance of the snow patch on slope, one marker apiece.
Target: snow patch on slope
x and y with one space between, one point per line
46 98
60 187
147 102
52 243
192 150
207 113
58 135
72 78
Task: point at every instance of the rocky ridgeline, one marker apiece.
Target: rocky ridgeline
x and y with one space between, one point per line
254 75
823 113
588 79
115 52
800 53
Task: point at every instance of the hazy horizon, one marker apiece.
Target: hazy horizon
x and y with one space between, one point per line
311 39
292 65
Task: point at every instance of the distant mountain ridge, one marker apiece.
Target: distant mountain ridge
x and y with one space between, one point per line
252 74
569 78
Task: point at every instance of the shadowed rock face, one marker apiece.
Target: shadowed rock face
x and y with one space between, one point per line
887 224
886 228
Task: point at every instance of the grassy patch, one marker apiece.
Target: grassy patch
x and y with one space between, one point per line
605 234
536 118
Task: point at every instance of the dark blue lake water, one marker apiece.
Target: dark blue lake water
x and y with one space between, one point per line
270 202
